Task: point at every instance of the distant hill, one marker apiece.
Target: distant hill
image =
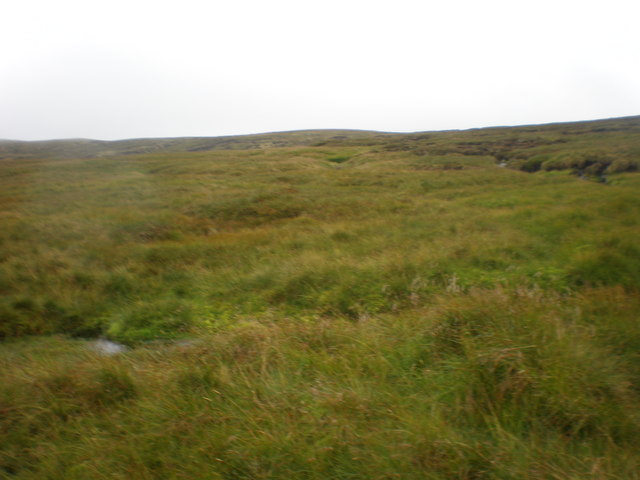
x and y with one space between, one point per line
76 148
587 148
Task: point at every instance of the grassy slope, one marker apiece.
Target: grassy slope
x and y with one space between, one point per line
79 148
369 307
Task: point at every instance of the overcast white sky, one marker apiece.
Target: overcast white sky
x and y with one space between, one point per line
141 68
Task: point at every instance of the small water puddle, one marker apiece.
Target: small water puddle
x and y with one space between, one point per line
107 347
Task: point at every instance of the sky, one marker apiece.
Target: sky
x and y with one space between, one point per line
137 68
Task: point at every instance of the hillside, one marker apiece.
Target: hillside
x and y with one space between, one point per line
323 304
78 148
497 141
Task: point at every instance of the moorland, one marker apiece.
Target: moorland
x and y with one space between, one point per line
323 304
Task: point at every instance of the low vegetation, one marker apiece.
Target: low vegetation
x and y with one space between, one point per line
345 305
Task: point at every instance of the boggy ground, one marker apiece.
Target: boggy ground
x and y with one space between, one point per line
367 306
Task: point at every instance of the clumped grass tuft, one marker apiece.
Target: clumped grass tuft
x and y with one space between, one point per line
494 383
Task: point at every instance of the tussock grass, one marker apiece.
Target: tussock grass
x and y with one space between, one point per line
374 306
488 384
